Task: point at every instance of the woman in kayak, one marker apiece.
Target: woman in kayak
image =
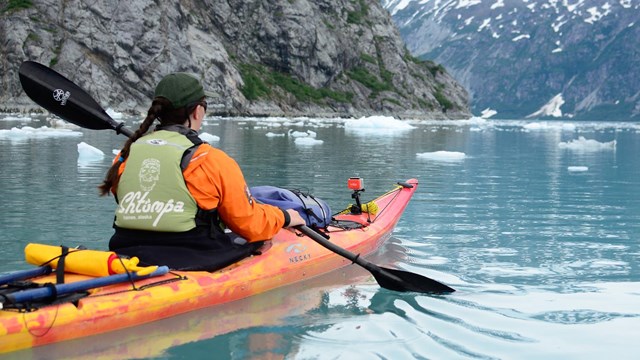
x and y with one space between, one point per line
173 190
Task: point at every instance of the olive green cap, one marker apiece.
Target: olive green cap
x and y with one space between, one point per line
180 89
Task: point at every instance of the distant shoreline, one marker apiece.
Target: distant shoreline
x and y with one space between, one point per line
408 115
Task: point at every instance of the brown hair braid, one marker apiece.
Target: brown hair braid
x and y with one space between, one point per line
160 109
111 178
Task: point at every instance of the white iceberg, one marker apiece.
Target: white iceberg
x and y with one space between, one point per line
28 132
582 144
446 156
377 125
270 134
307 141
205 136
88 153
577 168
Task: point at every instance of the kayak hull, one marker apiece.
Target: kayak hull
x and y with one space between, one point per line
289 258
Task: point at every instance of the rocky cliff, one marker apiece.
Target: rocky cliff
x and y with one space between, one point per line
261 57
533 58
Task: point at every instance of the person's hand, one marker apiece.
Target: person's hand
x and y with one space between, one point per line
296 219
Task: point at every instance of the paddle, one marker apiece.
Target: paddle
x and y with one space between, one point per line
62 97
391 279
45 86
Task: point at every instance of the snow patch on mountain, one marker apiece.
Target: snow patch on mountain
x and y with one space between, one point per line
514 55
552 108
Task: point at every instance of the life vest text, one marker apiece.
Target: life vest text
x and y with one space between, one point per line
136 203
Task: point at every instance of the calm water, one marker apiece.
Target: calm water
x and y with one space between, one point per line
537 229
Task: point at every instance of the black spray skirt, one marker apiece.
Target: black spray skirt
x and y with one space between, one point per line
193 250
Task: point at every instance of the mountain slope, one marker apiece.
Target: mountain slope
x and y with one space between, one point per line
540 59
261 57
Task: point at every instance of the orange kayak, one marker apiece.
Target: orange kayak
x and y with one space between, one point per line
288 258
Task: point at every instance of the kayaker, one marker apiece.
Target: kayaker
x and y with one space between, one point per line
173 190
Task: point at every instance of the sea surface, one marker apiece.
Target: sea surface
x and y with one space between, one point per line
536 224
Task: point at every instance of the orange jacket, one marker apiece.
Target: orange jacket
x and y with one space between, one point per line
216 182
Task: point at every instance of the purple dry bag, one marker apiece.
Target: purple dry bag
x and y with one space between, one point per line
314 211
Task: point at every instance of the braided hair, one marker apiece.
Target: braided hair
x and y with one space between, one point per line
162 110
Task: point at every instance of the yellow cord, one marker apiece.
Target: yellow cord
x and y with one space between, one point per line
371 207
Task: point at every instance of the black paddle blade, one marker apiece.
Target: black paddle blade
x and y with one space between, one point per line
391 279
399 280
62 97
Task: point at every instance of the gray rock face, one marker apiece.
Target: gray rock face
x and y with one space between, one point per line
538 59
260 57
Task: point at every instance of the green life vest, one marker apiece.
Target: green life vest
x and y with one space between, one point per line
152 194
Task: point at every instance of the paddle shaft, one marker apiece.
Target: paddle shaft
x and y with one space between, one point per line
333 247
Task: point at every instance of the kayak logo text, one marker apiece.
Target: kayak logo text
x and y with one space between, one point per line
297 252
61 96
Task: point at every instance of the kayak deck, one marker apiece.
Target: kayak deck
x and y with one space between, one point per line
290 257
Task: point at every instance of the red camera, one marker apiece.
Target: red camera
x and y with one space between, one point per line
355 183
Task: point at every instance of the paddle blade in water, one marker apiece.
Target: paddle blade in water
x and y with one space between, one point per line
399 280
62 97
391 279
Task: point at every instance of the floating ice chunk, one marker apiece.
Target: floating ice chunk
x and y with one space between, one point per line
487 113
307 141
447 156
378 125
28 132
299 134
550 126
15 134
582 144
270 134
56 122
87 153
477 121
578 168
536 126
16 118
297 123
268 124
305 138
114 114
377 122
208 137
